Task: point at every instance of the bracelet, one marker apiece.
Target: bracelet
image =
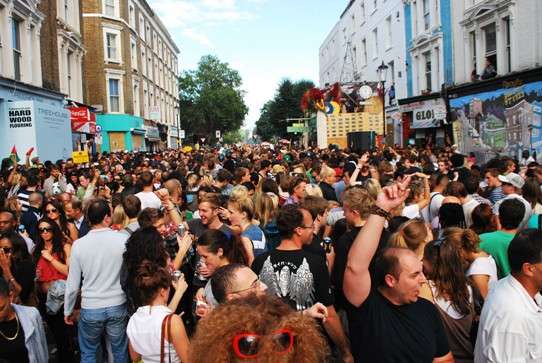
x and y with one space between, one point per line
380 212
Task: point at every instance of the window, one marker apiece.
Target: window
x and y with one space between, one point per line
491 44
426 14
112 46
133 53
69 71
391 68
131 15
388 33
66 10
148 34
507 44
141 26
375 42
375 4
428 74
149 68
110 8
143 61
136 99
114 95
362 6
16 44
145 103
472 37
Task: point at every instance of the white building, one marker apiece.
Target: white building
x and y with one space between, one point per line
375 30
508 33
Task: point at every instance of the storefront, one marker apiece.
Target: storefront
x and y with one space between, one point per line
83 125
121 132
31 116
498 116
423 121
152 136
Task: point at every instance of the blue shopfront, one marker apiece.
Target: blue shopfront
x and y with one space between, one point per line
121 132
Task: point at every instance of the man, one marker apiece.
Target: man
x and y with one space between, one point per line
208 208
146 196
299 277
265 169
436 197
472 184
132 206
8 224
32 181
459 171
496 243
95 265
390 323
511 322
493 182
296 190
511 187
222 182
32 215
55 183
317 207
458 190
87 185
74 211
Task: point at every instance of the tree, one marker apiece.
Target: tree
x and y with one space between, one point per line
234 137
211 98
285 104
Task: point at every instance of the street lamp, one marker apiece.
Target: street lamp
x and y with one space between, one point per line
382 75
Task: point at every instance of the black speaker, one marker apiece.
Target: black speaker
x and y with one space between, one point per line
361 141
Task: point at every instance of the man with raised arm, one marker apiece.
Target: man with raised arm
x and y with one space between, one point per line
389 323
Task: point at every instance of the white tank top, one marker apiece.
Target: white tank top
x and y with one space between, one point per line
144 331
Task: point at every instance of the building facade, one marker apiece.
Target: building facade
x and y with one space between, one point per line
30 114
368 33
132 74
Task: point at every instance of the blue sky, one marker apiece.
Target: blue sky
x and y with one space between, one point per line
265 40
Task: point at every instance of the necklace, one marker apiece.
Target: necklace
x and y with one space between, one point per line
16 333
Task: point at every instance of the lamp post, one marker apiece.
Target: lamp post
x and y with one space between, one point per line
382 75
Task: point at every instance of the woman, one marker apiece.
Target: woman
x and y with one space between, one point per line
482 269
418 198
532 193
13 204
451 294
119 219
266 210
22 337
216 250
52 256
54 211
483 219
414 235
241 214
16 267
155 328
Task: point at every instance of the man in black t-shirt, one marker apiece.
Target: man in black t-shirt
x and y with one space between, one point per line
389 323
300 277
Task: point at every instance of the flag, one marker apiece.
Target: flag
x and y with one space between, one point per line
13 156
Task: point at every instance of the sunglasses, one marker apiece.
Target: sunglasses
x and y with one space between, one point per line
45 229
247 345
7 250
52 210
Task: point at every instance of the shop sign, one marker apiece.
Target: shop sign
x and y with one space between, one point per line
426 114
152 133
181 134
154 113
82 120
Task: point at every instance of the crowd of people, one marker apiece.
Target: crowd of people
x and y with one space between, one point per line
272 254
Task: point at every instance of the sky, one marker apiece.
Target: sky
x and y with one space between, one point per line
265 40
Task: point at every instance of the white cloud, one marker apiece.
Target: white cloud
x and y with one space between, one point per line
197 37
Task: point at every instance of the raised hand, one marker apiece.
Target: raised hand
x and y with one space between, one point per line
394 195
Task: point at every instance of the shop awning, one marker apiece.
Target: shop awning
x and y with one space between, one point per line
151 133
137 131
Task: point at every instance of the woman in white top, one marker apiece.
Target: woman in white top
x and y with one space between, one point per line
481 267
145 326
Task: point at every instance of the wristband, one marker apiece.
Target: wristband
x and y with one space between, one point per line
380 212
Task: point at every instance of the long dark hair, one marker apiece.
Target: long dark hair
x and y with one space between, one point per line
213 240
531 191
58 241
62 215
448 273
20 250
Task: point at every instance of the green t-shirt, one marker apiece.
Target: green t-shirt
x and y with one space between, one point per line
496 244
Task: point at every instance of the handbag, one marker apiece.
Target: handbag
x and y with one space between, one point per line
166 329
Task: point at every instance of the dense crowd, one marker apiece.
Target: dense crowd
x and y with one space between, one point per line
272 254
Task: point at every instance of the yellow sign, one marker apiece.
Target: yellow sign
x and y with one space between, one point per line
80 157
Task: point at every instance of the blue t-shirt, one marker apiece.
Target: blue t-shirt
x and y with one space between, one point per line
533 222
257 237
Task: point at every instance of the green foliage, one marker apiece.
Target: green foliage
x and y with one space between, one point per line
285 104
211 98
234 137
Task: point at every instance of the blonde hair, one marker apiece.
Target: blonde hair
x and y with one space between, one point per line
373 187
465 239
119 216
313 190
239 192
325 172
266 207
243 205
358 199
411 234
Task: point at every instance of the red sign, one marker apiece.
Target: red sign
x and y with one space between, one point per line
82 120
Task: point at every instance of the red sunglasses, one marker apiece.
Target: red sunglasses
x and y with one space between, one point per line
247 345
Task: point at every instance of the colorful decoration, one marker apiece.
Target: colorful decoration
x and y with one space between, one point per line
313 100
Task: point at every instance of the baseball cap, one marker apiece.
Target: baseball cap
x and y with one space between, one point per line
513 179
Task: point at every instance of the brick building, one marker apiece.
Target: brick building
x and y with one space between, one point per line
130 74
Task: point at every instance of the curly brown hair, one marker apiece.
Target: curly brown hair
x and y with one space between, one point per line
261 315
